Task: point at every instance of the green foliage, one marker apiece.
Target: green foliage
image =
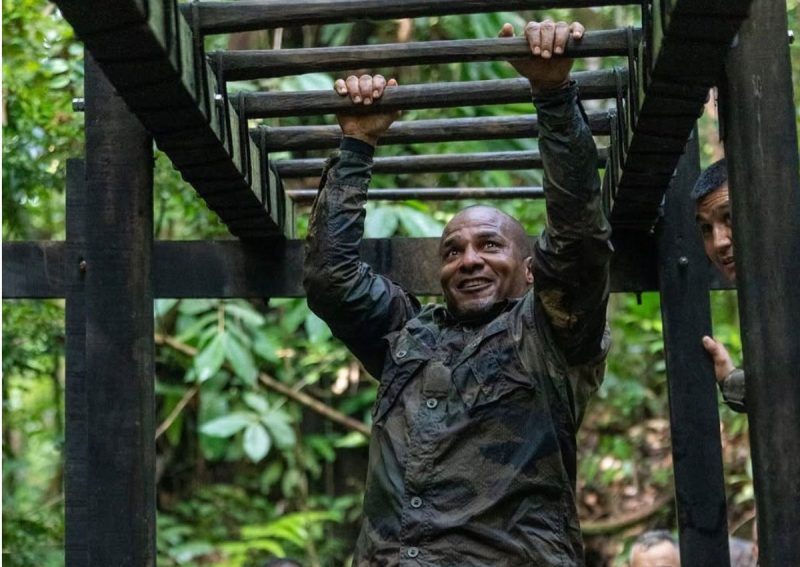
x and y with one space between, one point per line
33 434
41 57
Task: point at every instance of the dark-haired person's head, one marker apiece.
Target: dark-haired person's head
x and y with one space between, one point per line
713 215
485 260
655 548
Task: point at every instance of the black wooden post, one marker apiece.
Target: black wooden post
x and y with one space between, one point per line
119 330
76 425
694 417
763 166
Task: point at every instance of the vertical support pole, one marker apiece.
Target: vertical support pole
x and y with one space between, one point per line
694 416
76 426
119 330
765 199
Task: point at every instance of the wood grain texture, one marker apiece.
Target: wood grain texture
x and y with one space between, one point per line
259 64
272 139
246 15
592 85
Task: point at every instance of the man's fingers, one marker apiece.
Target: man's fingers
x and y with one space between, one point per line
365 88
532 34
353 89
340 87
562 33
547 32
392 83
577 30
378 84
723 365
506 31
712 347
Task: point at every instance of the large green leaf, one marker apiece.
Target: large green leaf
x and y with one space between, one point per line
257 402
266 345
256 442
419 224
246 313
317 329
381 222
228 425
278 424
241 359
209 360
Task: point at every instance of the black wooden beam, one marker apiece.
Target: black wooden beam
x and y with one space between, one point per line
679 60
147 50
76 420
592 84
227 17
275 139
434 163
307 196
120 395
230 268
761 144
694 417
260 64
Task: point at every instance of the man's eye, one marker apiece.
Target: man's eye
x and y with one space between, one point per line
450 253
705 229
490 244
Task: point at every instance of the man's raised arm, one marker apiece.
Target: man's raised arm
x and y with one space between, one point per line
571 258
359 306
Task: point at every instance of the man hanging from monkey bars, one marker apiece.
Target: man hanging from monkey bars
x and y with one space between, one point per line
472 456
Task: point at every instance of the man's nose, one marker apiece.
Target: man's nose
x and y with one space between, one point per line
471 259
722 236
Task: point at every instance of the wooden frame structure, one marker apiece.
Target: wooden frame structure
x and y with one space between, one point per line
148 78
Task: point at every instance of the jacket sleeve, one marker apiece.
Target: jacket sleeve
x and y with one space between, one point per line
359 306
733 391
572 256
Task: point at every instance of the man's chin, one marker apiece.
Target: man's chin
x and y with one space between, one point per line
473 308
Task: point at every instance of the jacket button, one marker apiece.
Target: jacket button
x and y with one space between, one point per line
416 502
401 353
432 403
412 552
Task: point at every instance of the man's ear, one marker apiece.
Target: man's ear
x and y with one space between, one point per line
529 270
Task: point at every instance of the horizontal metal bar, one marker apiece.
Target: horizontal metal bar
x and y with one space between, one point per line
305 196
288 168
592 84
227 17
260 64
419 131
231 268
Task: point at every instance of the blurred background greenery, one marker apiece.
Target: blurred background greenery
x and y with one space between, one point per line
245 469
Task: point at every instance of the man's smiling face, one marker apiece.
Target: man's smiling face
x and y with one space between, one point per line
484 261
714 221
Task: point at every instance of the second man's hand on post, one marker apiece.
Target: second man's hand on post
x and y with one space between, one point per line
364 91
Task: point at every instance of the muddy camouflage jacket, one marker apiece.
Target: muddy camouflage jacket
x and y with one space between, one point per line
472 456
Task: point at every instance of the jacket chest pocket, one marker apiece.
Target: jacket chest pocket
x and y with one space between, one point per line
500 375
405 356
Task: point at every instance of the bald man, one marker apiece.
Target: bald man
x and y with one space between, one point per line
472 455
655 548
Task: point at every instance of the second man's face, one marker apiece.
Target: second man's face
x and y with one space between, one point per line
481 263
714 221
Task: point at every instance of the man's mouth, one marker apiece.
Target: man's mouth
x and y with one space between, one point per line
727 260
474 284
